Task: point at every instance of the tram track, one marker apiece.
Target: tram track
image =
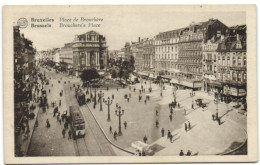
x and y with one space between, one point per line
81 147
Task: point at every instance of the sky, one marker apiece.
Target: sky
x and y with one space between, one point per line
120 26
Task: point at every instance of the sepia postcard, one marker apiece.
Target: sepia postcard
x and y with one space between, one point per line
130 84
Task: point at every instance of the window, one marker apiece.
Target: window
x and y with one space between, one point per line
239 77
244 61
239 61
228 60
234 61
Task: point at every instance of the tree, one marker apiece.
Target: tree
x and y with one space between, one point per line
131 63
114 74
89 74
120 73
126 74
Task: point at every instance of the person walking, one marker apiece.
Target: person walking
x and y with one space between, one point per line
145 101
213 117
181 153
58 117
171 138
188 153
157 123
63 132
185 125
156 112
169 134
48 124
145 139
170 117
110 129
115 135
60 103
162 131
189 126
125 124
69 133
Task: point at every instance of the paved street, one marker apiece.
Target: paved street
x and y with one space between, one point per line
49 141
141 117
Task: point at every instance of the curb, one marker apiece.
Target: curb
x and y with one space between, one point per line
32 132
106 135
228 152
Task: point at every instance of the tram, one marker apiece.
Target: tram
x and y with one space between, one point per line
80 96
77 122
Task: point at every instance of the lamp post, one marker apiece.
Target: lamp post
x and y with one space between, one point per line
119 113
100 100
161 86
216 101
192 94
108 102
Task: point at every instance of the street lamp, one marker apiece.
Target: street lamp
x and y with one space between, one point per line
192 94
108 102
216 101
161 86
119 113
100 100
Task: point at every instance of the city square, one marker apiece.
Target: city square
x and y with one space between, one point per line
181 92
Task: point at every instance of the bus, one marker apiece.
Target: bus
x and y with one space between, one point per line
77 122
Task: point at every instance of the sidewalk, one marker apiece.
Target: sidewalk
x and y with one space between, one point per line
25 141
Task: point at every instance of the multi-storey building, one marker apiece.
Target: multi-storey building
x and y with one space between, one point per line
190 49
66 58
89 51
209 65
231 66
137 52
166 52
148 54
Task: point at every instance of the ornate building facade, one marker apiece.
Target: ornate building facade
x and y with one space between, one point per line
89 51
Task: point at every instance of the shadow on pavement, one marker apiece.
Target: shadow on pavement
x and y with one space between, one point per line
155 148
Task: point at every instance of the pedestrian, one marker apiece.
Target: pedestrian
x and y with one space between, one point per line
60 121
156 112
128 99
213 117
171 110
169 134
179 105
63 132
110 129
69 133
192 106
188 153
58 117
156 123
162 131
60 103
181 153
189 125
116 105
112 96
185 125
48 124
125 124
170 117
49 91
115 135
171 138
219 122
134 89
145 101
145 139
